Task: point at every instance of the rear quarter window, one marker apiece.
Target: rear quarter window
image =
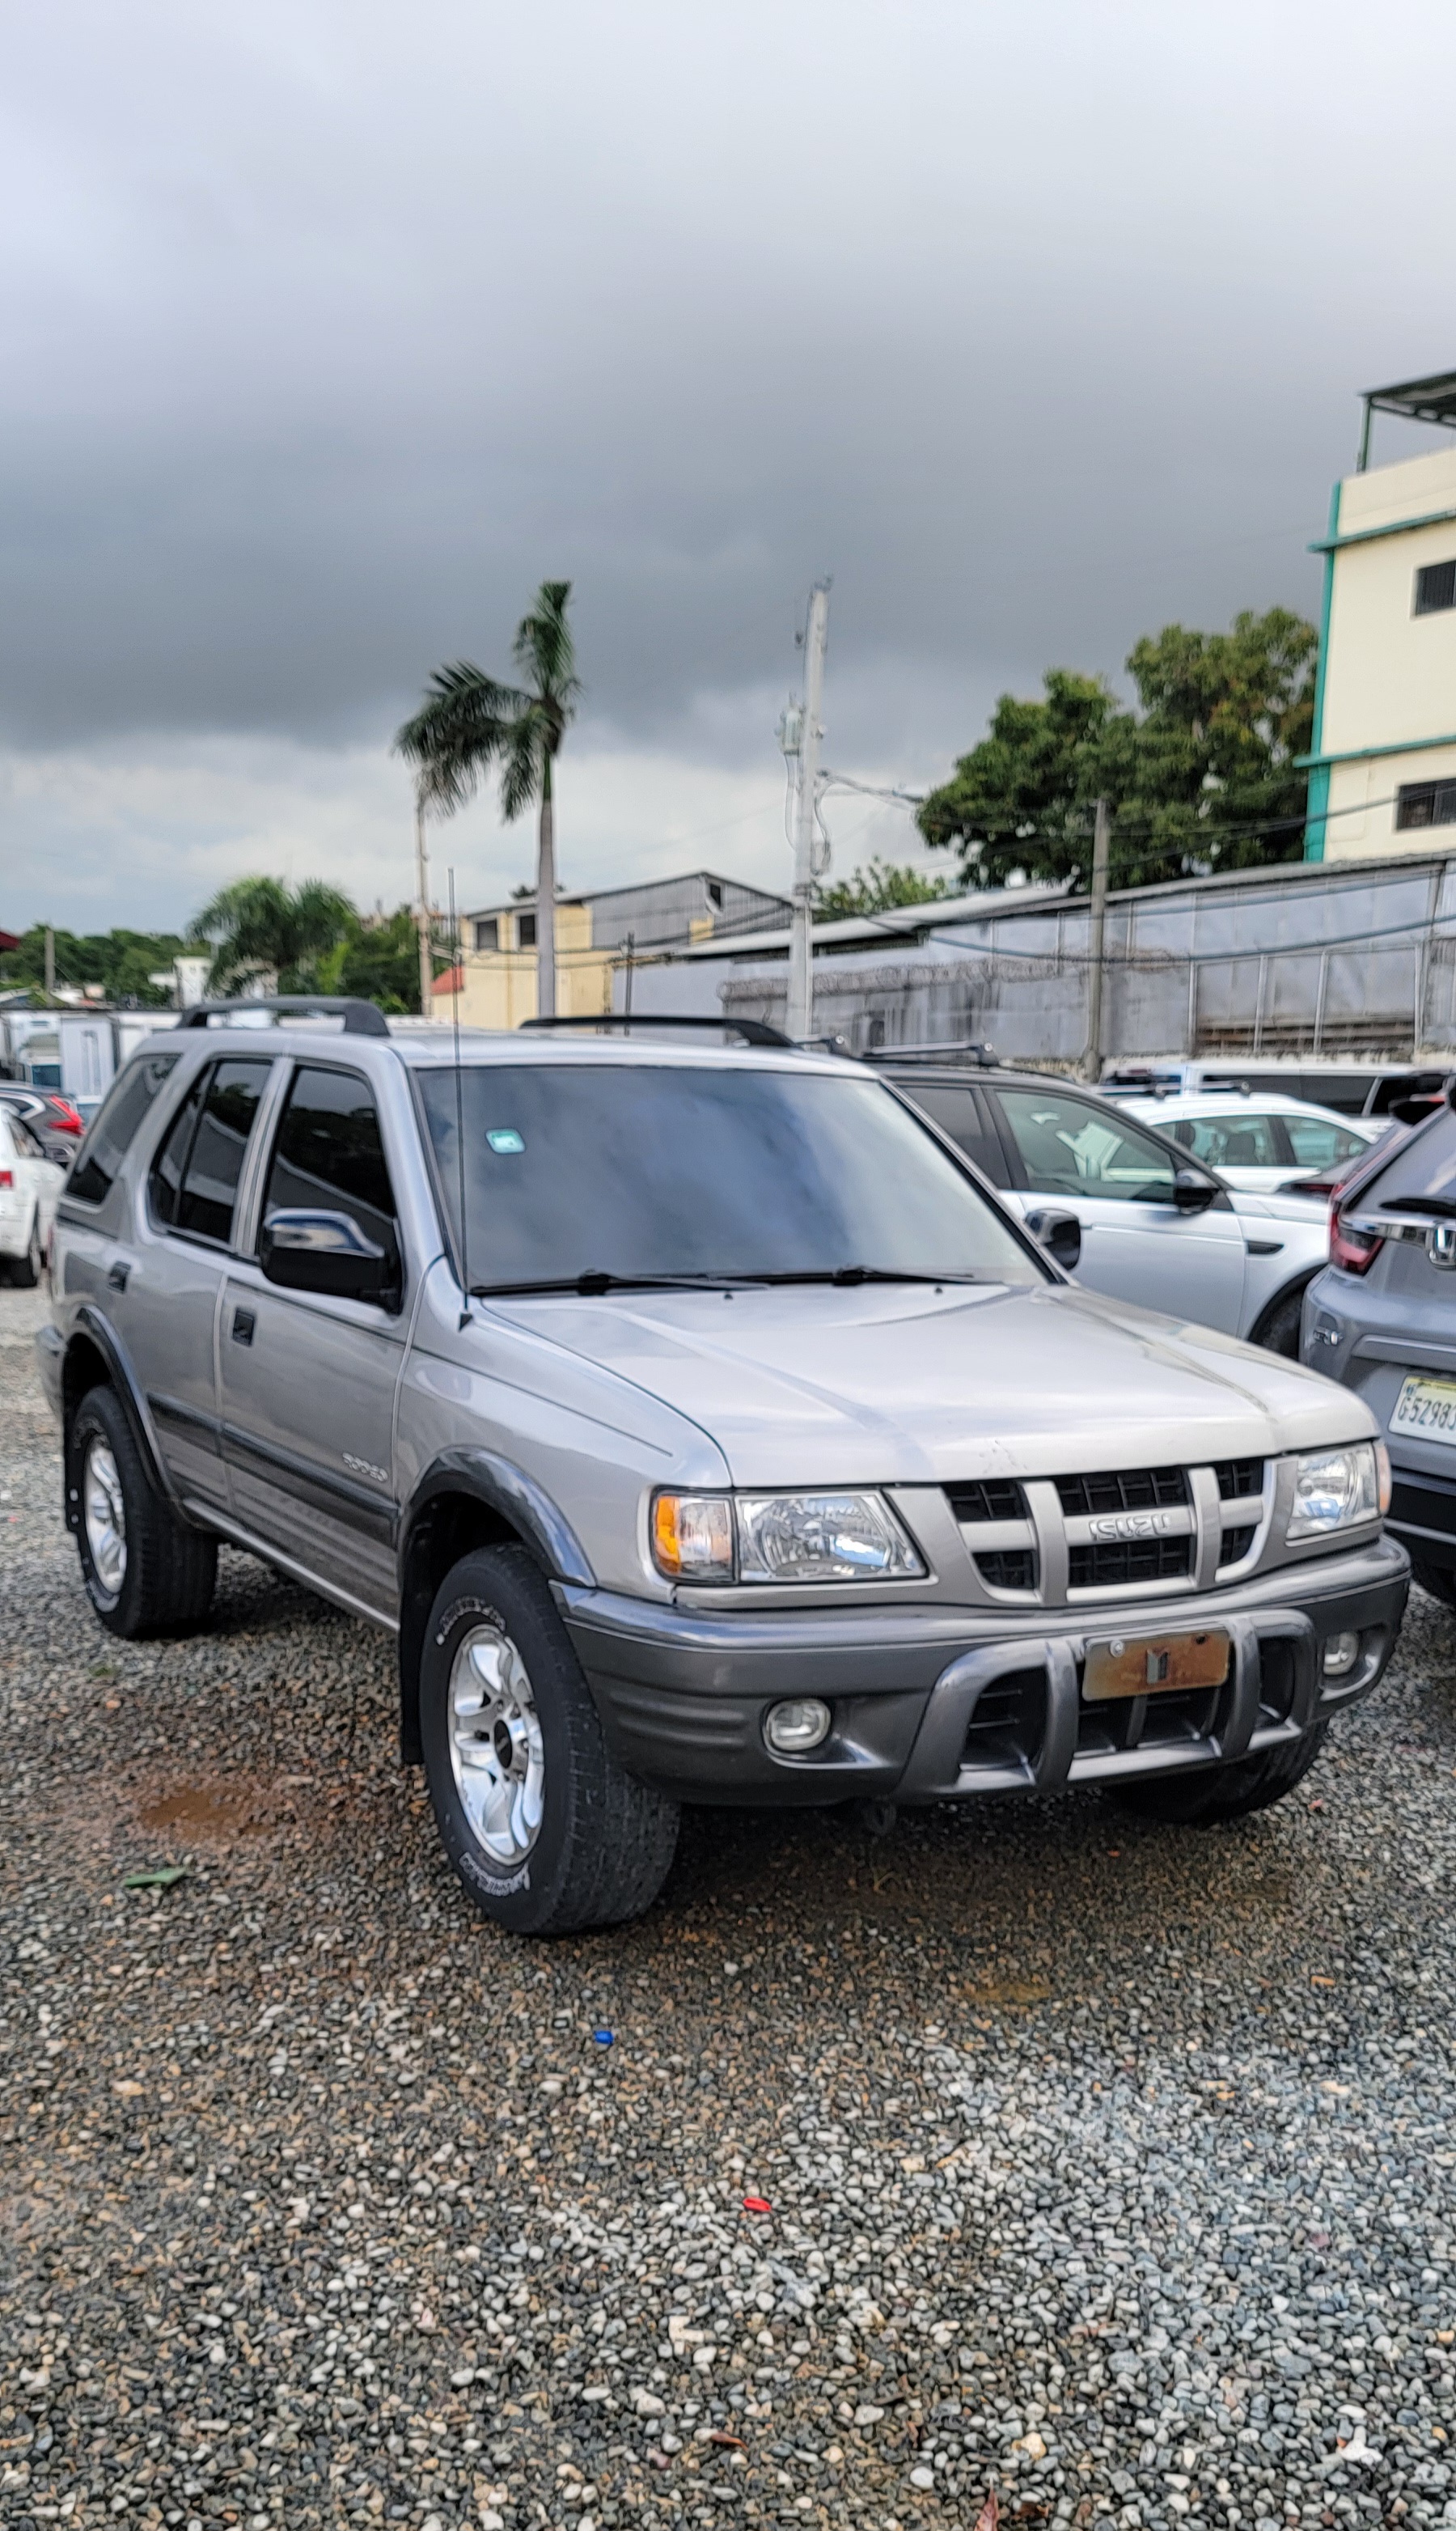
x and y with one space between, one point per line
116 1125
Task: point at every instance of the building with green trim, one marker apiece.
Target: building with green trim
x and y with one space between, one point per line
1382 761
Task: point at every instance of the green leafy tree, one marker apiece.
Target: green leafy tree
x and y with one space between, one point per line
877 889
469 722
261 927
120 961
378 960
1200 777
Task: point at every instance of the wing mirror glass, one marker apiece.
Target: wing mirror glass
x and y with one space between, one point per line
327 1253
1059 1233
1193 1192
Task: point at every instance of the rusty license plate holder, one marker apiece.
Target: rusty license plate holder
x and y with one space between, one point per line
1159 1665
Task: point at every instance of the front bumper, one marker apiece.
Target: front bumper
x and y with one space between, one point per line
939 1705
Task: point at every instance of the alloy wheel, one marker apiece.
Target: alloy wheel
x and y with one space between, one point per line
104 1512
496 1750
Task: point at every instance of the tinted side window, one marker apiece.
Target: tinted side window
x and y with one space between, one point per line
1318 1145
958 1113
1068 1146
166 1170
115 1126
26 1143
329 1155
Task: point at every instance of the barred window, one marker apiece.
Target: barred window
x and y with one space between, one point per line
1425 804
1436 588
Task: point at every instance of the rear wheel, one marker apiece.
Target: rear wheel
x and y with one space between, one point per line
548 1833
145 1572
1211 1795
1438 1579
24 1269
1280 1331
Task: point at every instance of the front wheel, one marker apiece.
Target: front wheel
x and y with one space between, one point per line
145 1572
547 1833
1438 1579
1209 1797
1280 1331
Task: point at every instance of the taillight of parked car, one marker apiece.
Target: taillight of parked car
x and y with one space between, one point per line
67 1119
7 1180
1353 1250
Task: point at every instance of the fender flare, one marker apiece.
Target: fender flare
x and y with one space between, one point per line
521 1504
90 1323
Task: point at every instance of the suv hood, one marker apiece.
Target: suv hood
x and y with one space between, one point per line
813 1385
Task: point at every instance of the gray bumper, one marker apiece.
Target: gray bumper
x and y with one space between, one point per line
940 1705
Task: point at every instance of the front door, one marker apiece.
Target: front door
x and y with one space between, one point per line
1082 1156
308 1383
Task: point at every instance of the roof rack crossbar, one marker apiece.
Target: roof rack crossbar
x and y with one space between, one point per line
751 1032
361 1019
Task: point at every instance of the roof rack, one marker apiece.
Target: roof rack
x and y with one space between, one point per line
751 1032
967 1051
361 1019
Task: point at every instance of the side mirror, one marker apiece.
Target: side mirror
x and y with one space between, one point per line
326 1253
1059 1233
1192 1191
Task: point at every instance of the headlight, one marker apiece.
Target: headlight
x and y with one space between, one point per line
780 1538
1334 1489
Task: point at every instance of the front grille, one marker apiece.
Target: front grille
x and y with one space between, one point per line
1135 1559
992 1499
1236 1545
1007 1724
1146 1722
1008 1568
1238 1478
1125 1490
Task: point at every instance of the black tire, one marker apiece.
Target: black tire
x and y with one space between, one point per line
1438 1579
604 1843
1211 1795
169 1571
26 1269
1279 1330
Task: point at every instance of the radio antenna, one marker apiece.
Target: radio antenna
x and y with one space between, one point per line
464 1269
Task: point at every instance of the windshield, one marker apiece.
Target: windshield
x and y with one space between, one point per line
641 1171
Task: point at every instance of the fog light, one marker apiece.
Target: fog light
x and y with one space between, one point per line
1341 1652
798 1725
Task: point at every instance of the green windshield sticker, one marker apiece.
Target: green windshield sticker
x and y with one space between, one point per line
504 1138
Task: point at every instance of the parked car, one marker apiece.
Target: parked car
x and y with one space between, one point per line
706 1429
1260 1142
1351 1089
29 1184
56 1121
1382 1319
1150 1223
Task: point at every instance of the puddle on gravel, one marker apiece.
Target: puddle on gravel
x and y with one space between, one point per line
211 1813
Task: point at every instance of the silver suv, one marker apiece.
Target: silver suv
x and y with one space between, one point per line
707 1429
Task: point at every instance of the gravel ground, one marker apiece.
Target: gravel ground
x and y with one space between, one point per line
1109 2167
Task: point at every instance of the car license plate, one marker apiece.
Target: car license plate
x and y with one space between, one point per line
1427 1407
1154 1664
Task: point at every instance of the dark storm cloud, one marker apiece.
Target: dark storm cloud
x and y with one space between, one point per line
331 330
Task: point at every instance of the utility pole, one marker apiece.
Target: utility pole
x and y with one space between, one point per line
421 912
1097 931
801 945
50 964
626 980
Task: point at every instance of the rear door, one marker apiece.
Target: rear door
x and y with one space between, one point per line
166 1307
1084 1157
307 1382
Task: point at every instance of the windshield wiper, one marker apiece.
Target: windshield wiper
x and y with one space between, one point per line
593 1279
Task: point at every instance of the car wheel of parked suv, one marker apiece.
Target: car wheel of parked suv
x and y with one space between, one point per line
145 1574
25 1268
1210 1796
1278 1331
548 1833
1438 1579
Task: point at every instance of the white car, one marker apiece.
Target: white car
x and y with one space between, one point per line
1258 1141
29 1184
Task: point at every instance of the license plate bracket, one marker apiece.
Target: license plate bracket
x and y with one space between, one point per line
1159 1665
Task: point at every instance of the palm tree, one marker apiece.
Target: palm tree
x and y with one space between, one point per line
261 927
467 722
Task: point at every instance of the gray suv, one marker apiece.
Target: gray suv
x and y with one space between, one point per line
706 1429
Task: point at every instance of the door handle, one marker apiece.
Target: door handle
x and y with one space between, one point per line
244 1322
116 1276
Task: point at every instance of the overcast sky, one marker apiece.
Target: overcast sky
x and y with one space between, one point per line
330 331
